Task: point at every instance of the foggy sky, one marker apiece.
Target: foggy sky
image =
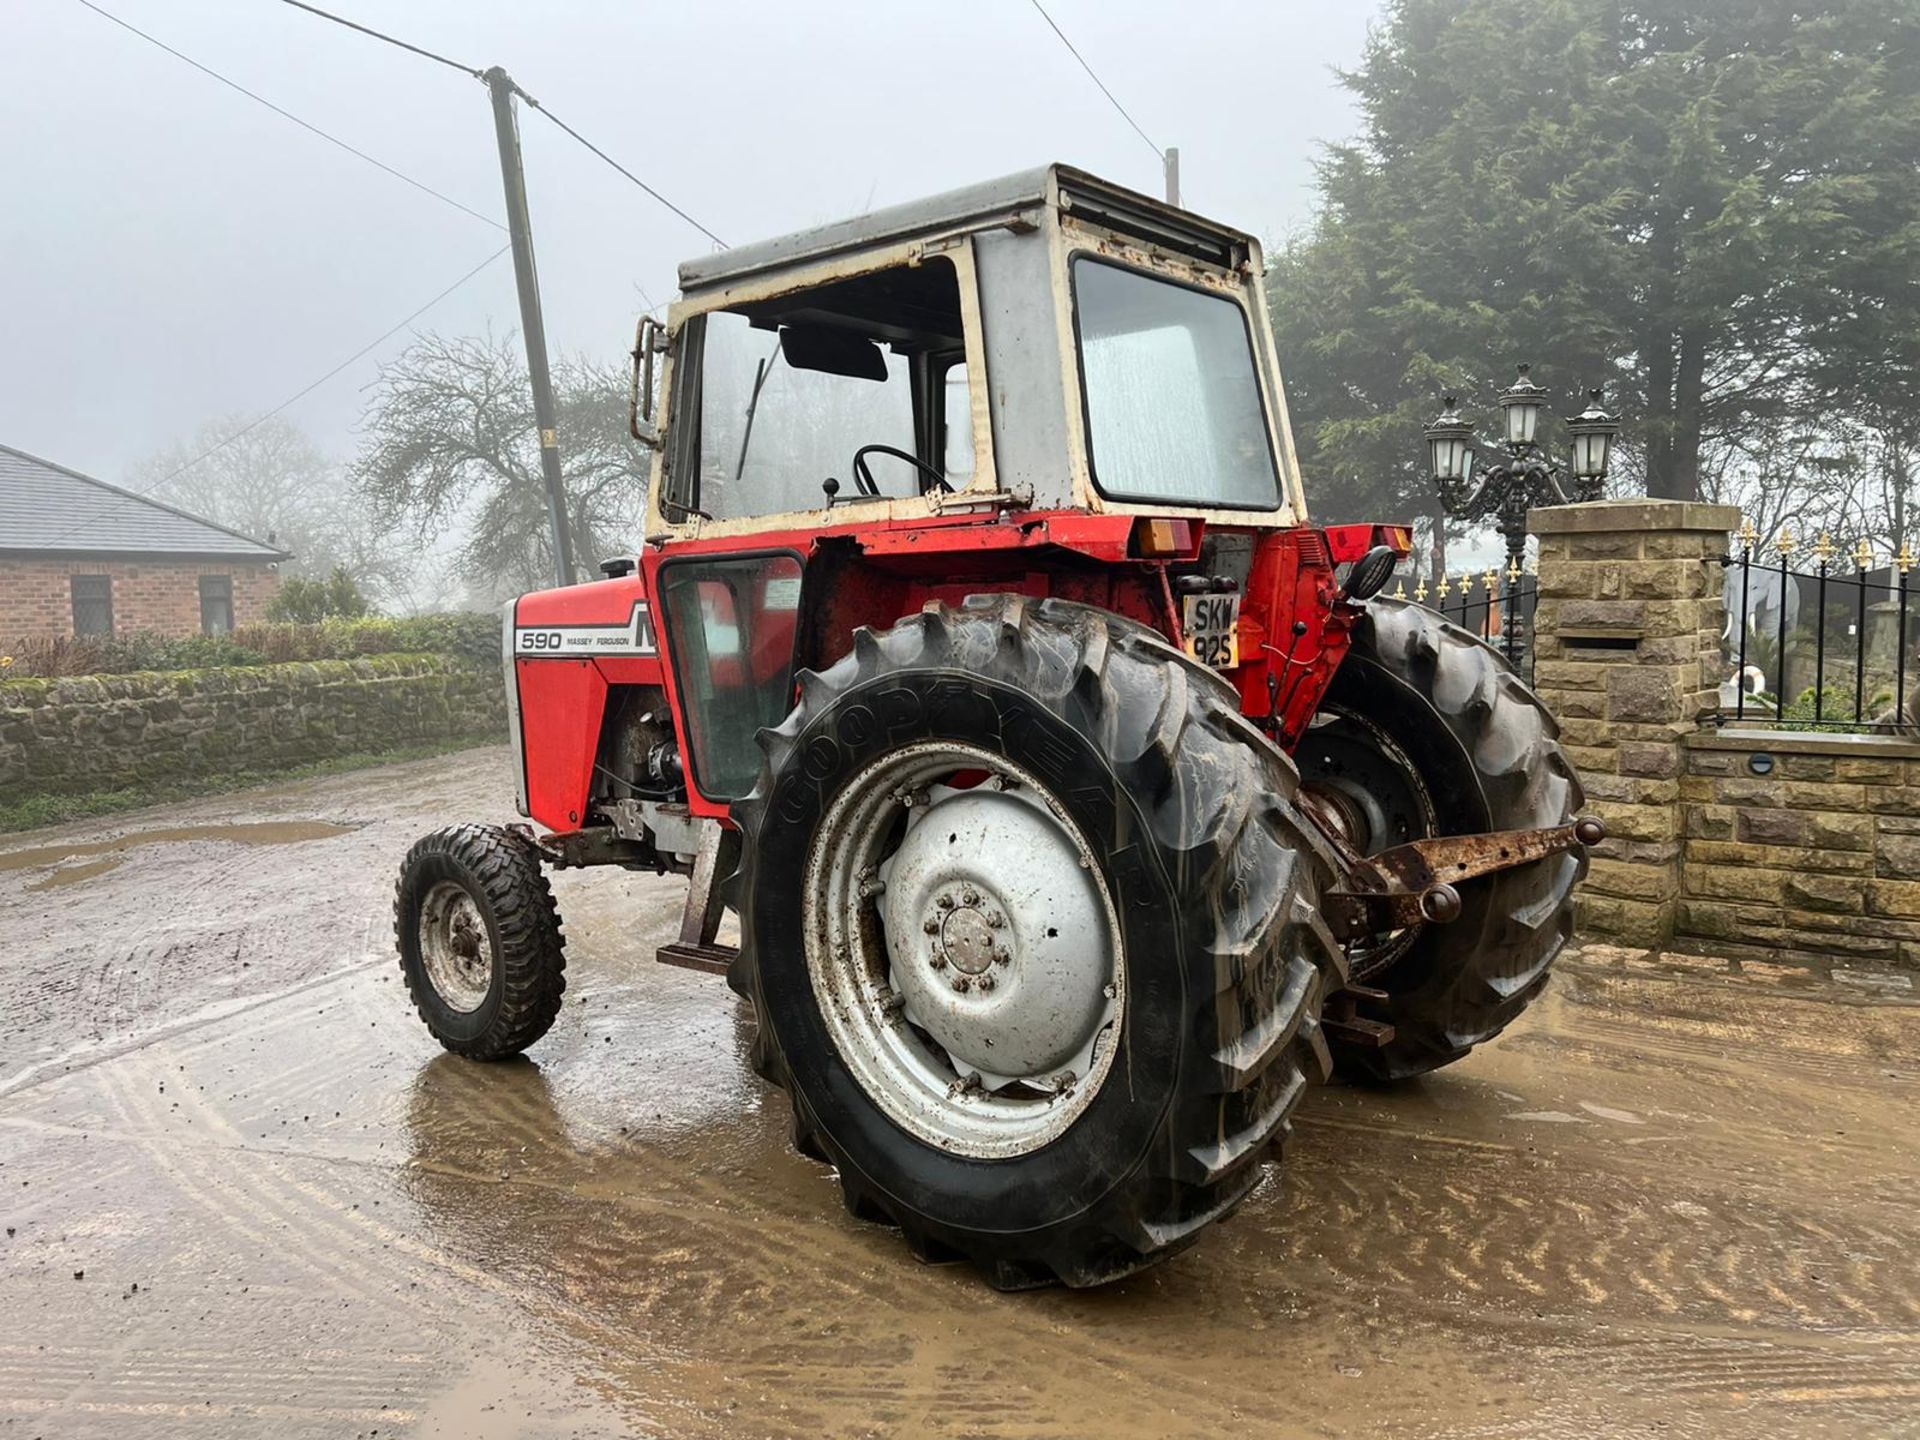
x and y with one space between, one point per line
171 251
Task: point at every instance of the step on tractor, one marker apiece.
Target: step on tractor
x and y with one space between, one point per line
1081 804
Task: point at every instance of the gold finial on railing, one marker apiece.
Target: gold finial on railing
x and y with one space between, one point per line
1514 572
1786 543
1400 591
1825 548
1905 559
1446 588
1863 554
1420 590
1748 534
1491 579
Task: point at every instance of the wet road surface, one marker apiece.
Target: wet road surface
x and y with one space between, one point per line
243 1194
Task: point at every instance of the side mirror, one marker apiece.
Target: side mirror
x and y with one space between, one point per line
648 340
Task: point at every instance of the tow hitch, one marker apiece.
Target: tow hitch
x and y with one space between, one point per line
1414 883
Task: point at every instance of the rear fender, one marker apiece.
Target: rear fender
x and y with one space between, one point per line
1293 632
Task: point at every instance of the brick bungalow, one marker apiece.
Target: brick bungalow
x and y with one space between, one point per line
81 557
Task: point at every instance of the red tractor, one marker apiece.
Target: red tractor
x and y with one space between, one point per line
1081 804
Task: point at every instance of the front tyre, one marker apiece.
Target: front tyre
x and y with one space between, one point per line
479 939
1030 922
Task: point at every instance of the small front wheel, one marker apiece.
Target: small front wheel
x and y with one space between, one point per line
479 937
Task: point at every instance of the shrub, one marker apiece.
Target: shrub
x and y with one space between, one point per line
306 602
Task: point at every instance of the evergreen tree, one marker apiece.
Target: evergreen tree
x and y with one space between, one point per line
1710 206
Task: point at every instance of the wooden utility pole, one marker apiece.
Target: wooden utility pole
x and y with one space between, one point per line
532 327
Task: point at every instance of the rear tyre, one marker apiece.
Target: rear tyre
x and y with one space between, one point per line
479 939
1030 922
1426 731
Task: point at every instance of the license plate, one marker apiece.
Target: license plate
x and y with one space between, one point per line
1212 626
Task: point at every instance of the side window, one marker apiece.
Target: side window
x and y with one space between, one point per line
788 391
216 604
92 604
730 626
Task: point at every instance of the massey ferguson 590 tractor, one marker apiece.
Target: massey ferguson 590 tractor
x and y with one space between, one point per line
1080 802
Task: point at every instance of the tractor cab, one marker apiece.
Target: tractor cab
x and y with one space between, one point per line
1045 342
1044 385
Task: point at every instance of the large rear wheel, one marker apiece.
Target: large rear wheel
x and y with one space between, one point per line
1426 731
1030 922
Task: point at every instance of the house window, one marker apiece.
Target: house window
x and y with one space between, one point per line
92 604
216 604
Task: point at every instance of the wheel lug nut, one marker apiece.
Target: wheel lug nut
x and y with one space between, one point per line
962 984
970 896
931 926
1002 955
938 962
995 920
945 902
986 981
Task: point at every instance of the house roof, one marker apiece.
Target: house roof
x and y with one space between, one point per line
47 509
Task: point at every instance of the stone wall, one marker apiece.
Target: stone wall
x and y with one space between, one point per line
110 731
36 596
1802 844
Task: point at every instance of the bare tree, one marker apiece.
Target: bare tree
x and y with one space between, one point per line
269 480
451 444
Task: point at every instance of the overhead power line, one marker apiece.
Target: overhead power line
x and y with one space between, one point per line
382 35
1091 75
535 104
285 404
618 166
307 125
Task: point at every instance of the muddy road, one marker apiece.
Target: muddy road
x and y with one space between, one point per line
244 1195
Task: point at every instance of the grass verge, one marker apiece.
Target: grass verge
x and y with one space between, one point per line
34 811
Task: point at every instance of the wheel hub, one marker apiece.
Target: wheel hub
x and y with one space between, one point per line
967 939
997 933
965 949
454 948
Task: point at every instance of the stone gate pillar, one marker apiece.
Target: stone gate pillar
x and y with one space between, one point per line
1627 656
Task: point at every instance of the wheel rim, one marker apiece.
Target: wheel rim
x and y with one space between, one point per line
963 948
455 948
1377 789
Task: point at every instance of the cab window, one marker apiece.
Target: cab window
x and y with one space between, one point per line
787 393
1172 392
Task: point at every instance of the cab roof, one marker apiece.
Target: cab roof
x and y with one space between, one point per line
981 206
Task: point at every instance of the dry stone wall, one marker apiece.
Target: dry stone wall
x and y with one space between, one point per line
106 732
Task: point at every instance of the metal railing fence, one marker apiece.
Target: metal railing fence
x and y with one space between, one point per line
1822 649
1496 605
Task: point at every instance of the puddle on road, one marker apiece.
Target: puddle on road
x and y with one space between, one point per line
275 832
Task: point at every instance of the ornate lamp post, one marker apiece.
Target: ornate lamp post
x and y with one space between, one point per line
1519 473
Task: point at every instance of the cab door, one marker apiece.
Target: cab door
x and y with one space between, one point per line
730 624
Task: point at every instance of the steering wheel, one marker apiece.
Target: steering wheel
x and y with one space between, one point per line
863 476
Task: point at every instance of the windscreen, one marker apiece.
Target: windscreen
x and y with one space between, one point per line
788 389
1174 414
